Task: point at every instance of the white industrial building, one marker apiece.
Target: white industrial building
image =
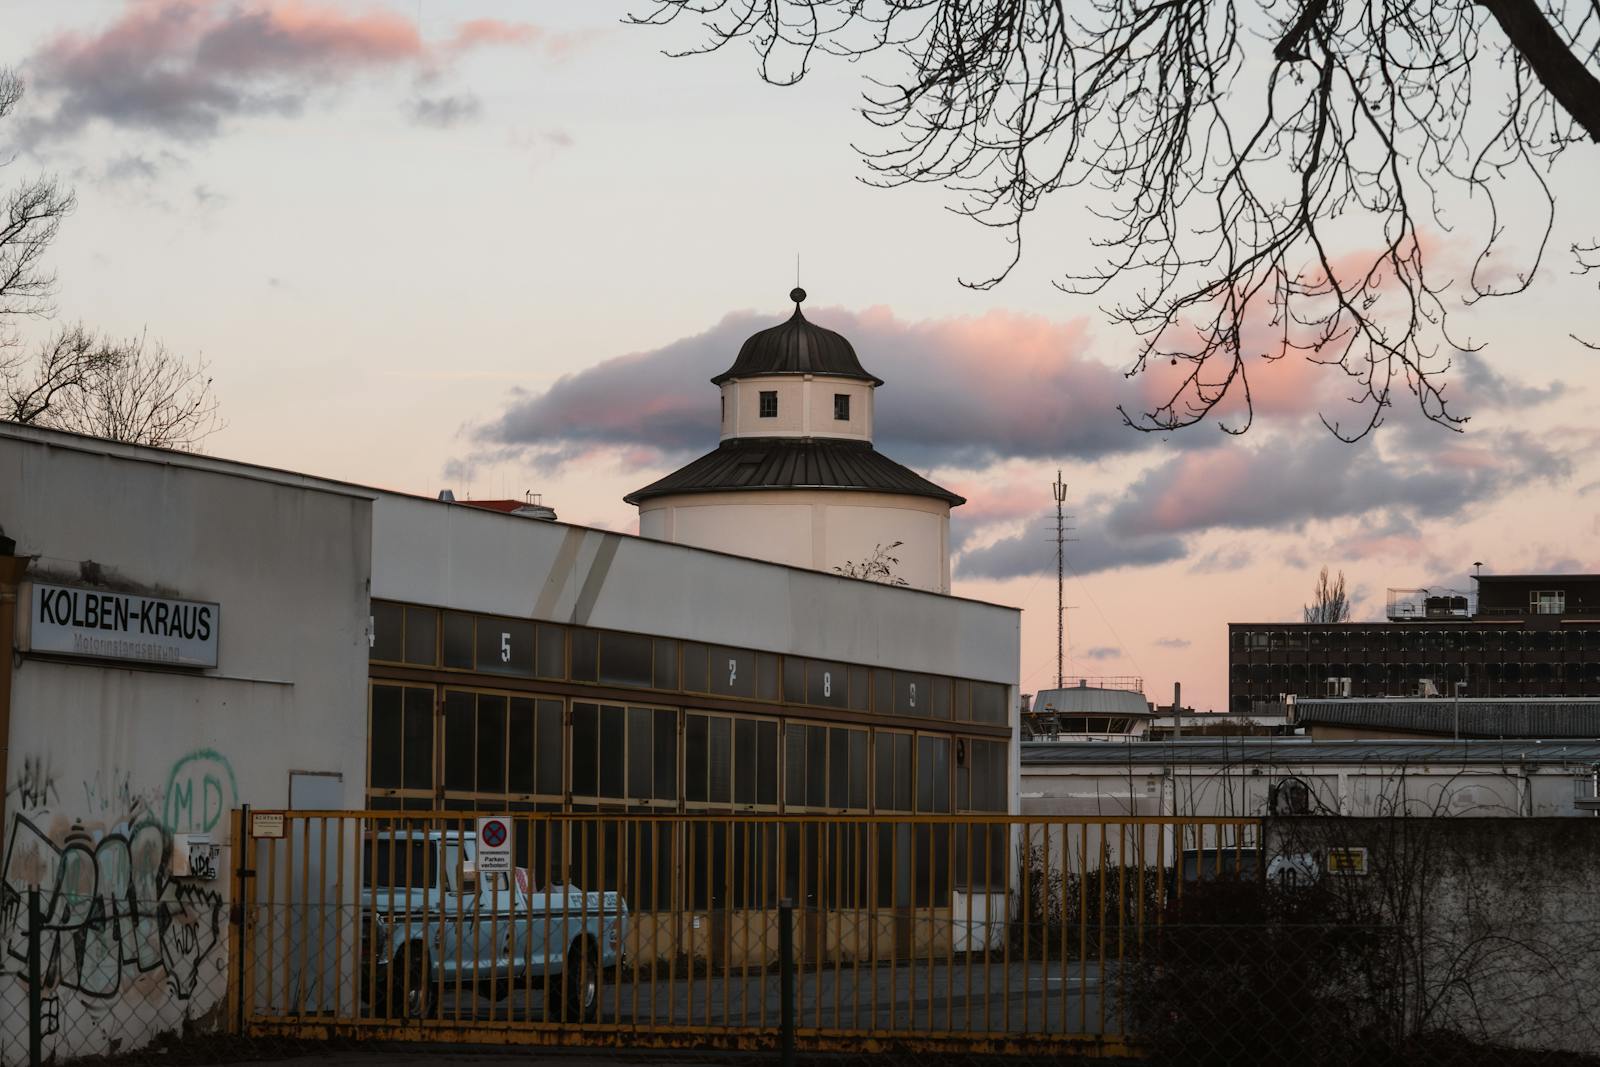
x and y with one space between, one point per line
192 635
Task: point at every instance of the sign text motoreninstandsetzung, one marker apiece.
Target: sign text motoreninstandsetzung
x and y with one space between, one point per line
123 626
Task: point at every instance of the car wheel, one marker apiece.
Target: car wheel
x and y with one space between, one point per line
418 993
575 995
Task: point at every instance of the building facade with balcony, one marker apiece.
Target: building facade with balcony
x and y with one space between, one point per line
1522 635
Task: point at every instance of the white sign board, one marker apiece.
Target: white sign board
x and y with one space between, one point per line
266 824
123 626
494 844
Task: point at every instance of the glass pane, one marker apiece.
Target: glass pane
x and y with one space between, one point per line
988 702
939 692
883 771
641 754
585 749
625 659
694 667
419 739
911 695
794 765
794 680
838 768
387 632
519 747
459 741
903 776
458 640
767 763
550 746
766 676
422 635
666 748
883 692
858 769
551 655
827 684
962 709
696 751
491 743
816 767
613 743
385 737
666 659
860 689
744 761
732 672
504 646
721 762
585 653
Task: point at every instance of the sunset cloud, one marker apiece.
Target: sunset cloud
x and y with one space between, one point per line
960 392
184 68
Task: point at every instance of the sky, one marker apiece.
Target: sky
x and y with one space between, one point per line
501 247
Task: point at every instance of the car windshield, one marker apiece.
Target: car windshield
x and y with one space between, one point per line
401 863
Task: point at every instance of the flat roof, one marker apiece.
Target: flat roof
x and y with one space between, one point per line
1281 751
172 457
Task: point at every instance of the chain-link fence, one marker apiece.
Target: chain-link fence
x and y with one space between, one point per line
949 940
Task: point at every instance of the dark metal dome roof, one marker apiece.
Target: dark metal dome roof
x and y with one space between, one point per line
797 346
794 463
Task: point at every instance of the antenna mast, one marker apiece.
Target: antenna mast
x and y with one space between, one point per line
1059 491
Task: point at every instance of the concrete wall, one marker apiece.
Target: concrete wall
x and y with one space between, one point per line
815 528
464 558
107 762
1497 932
1358 790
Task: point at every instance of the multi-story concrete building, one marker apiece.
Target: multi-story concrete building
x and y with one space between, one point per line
1523 635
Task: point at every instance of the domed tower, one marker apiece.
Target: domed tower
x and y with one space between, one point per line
796 479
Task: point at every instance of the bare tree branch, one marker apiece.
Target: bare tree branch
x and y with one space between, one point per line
1295 215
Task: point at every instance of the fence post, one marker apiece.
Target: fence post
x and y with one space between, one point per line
35 982
786 981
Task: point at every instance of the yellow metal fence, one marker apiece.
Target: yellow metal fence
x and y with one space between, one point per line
959 933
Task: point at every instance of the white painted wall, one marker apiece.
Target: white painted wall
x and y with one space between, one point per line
108 761
460 557
805 407
816 528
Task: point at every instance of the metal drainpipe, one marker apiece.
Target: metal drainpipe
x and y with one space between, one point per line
11 571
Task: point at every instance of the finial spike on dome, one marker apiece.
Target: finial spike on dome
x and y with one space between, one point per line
798 295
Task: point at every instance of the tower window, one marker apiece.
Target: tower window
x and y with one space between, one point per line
841 406
769 403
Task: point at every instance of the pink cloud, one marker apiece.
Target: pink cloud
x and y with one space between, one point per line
185 67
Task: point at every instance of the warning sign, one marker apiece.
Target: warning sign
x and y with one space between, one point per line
1347 861
494 844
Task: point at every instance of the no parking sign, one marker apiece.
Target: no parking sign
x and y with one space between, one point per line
494 844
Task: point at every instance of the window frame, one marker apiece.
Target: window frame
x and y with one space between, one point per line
765 399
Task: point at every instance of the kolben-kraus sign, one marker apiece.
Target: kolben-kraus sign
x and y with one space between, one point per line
101 624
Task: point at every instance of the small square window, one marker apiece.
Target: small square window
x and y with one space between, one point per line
769 403
841 406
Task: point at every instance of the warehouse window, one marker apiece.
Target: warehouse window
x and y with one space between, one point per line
400 740
769 404
730 760
841 407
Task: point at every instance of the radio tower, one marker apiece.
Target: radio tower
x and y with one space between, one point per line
1059 490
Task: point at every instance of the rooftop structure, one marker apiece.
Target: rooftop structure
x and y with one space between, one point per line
796 478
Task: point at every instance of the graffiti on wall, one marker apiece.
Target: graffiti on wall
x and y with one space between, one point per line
112 914
111 911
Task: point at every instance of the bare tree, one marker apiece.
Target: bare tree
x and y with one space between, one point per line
1290 216
133 390
1329 603
878 567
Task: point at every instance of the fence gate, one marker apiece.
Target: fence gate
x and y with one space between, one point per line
953 933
